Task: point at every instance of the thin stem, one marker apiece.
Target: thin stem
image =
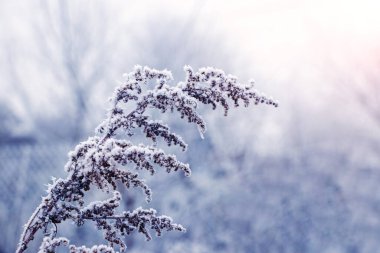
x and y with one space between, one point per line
104 217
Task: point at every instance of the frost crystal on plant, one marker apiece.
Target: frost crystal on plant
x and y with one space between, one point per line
106 159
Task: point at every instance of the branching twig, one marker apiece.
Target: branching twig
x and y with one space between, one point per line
104 160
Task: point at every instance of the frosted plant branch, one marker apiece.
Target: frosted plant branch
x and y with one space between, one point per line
106 159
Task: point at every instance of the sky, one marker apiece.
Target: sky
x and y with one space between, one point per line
285 29
310 42
296 50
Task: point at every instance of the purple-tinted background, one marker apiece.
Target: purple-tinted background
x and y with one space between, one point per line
300 178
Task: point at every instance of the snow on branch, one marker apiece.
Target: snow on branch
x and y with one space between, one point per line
49 244
103 160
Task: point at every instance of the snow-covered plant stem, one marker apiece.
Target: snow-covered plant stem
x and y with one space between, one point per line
106 159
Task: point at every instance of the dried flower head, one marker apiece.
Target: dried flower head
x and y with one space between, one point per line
106 159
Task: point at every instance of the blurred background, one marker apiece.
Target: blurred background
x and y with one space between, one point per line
303 177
